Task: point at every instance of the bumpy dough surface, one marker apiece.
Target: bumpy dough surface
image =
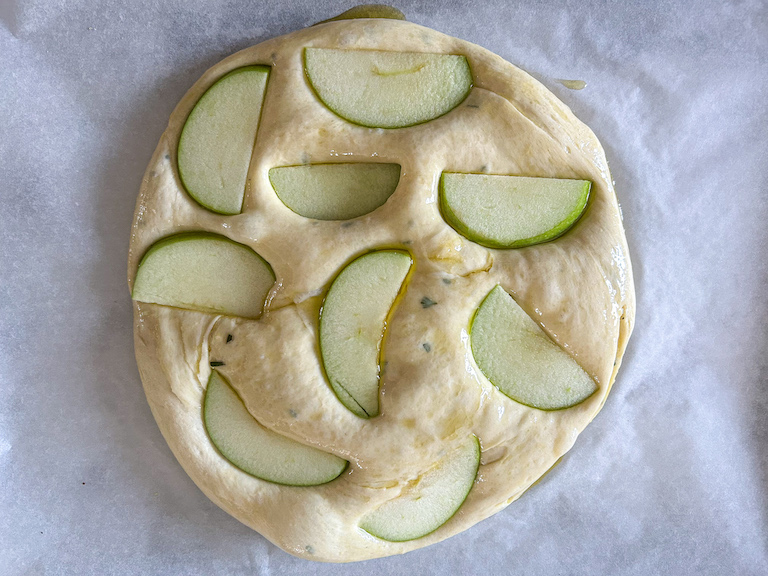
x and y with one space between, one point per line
579 288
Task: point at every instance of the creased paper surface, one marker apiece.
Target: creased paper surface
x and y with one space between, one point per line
672 476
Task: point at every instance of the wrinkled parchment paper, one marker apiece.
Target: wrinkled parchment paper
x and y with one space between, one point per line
671 478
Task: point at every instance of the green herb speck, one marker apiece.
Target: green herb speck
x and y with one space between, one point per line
229 338
309 549
446 280
427 347
216 363
292 412
427 302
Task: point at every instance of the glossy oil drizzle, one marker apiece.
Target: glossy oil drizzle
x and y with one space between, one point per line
573 84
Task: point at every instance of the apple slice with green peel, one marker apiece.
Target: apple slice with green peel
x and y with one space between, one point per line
431 502
204 272
387 89
511 211
218 137
368 11
518 357
257 450
335 191
352 324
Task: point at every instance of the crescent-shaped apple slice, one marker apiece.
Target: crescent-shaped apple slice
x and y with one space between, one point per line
257 450
511 211
431 502
335 191
204 272
352 324
518 357
217 139
382 89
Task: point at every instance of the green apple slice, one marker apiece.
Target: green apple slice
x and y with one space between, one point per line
368 11
431 502
257 450
387 89
518 357
217 140
335 191
352 324
204 272
511 211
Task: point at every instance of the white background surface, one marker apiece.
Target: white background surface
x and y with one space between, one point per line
672 477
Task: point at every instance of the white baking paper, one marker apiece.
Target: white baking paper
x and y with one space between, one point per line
671 478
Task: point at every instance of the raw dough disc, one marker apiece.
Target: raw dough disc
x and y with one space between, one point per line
579 288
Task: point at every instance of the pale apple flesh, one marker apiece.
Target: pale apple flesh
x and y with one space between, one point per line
205 272
518 357
218 137
257 450
431 502
352 324
381 89
500 211
335 191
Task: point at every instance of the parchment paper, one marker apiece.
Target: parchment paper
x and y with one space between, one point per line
671 478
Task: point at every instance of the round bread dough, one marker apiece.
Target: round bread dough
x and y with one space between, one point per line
578 288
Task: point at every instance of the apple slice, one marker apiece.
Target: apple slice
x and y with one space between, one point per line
517 356
217 140
368 11
335 191
387 89
430 503
257 450
204 272
352 324
511 211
